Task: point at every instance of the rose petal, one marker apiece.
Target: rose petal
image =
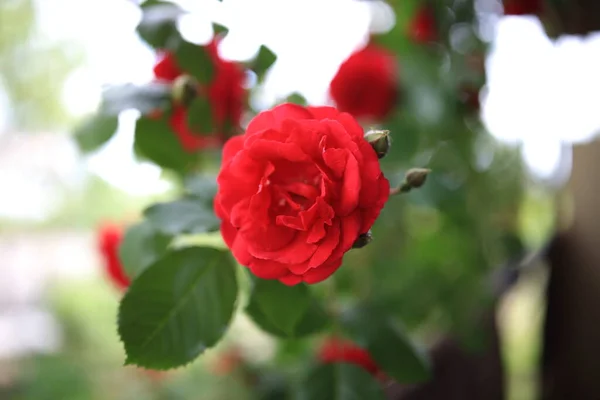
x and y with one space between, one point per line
317 275
272 119
267 269
327 246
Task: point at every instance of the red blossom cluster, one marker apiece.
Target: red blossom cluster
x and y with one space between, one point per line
225 93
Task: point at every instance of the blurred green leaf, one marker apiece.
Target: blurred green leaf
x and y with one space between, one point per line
313 320
202 186
158 26
141 246
178 307
339 382
283 306
195 61
389 346
263 61
296 98
95 131
187 215
145 98
199 116
220 30
156 141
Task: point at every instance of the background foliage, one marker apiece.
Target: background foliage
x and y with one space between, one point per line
428 271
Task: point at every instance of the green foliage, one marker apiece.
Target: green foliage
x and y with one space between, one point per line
185 216
158 26
95 131
144 98
263 61
283 307
142 245
178 307
155 140
389 346
339 382
199 117
195 61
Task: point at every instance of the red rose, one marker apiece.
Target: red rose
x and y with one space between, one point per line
109 239
296 190
225 93
522 7
336 350
366 83
423 26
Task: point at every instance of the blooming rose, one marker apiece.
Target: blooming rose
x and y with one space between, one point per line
522 7
423 26
336 350
366 83
109 239
296 190
225 93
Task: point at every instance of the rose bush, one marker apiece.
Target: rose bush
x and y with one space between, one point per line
366 84
296 190
109 239
225 93
334 350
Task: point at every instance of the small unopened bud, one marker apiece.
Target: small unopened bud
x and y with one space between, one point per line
184 91
362 240
416 177
380 141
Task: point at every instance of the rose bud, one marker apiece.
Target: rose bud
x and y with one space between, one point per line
109 239
336 350
184 90
296 191
423 26
363 240
416 177
226 96
380 141
366 84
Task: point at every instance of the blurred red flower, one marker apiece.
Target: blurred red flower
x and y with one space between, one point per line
423 25
109 239
366 84
337 350
522 7
226 95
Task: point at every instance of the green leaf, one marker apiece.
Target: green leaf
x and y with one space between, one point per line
187 215
178 307
296 98
220 30
282 305
283 310
95 131
158 26
339 382
389 346
145 98
314 320
141 246
263 61
201 186
156 141
199 116
195 61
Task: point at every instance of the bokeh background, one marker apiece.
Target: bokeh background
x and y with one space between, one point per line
57 309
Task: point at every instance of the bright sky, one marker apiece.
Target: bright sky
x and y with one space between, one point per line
539 93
